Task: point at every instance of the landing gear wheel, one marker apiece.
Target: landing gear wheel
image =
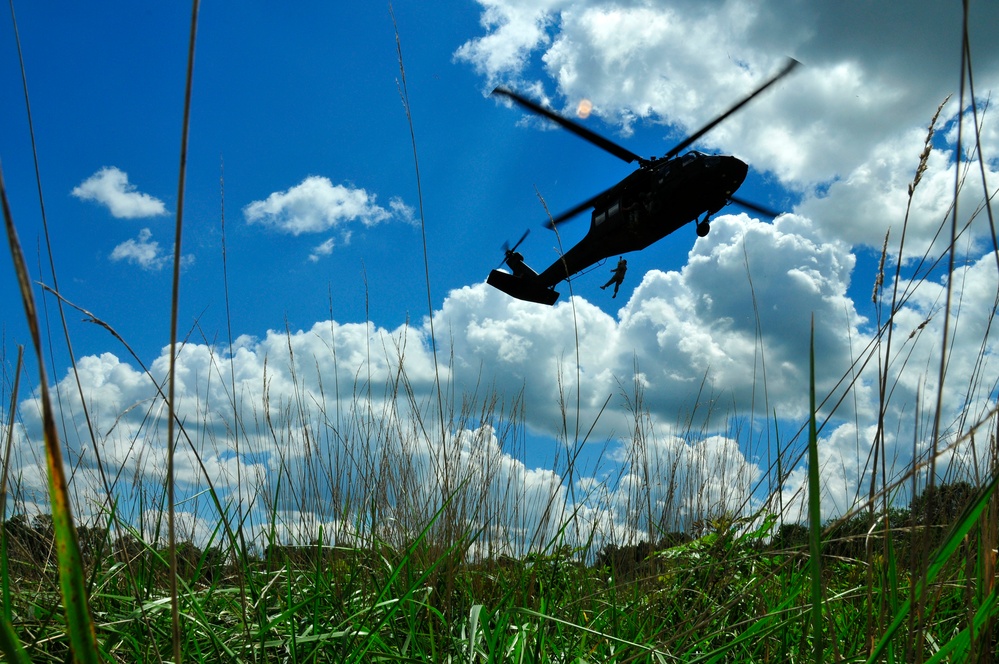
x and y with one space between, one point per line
703 228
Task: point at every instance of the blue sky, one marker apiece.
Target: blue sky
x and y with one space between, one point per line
282 101
301 104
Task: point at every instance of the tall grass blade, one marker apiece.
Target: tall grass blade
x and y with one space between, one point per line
814 511
72 582
171 511
404 94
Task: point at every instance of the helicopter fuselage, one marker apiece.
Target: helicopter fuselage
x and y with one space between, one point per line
654 201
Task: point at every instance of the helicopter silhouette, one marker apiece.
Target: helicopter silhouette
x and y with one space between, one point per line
664 194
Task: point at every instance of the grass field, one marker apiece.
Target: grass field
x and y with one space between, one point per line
414 543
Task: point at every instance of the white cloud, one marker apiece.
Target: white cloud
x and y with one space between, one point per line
145 252
706 322
402 211
316 205
723 339
142 251
109 186
863 204
320 250
516 28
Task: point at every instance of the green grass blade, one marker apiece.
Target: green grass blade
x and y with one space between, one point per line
473 628
80 625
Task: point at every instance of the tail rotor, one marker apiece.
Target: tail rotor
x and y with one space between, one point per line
509 251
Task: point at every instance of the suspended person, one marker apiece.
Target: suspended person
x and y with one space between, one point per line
618 272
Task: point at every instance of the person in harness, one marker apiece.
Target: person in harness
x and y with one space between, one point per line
618 272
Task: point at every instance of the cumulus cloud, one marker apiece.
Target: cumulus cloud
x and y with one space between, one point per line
745 299
110 187
316 205
515 30
145 252
691 353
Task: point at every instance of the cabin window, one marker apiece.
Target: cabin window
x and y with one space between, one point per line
614 209
598 218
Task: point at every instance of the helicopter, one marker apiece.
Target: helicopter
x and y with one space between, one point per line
662 195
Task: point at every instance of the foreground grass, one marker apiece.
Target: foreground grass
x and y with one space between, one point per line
733 594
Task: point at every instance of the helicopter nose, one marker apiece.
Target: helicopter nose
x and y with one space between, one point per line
735 171
739 170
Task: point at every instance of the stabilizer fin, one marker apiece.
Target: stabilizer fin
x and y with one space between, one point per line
523 288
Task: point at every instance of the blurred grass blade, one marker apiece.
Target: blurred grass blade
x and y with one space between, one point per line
814 507
10 646
80 626
4 468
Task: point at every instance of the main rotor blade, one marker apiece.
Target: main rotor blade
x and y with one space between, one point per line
792 63
766 212
572 212
578 129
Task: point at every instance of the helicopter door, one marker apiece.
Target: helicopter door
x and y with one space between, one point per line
601 216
